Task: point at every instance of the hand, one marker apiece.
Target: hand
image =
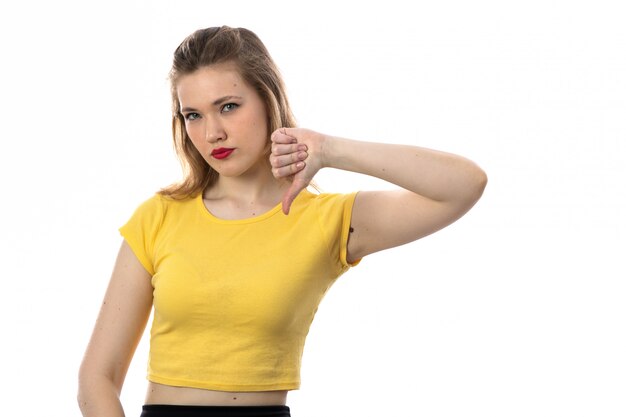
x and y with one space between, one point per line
296 153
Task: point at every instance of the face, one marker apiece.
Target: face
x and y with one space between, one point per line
225 119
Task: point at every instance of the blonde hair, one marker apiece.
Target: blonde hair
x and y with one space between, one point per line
211 46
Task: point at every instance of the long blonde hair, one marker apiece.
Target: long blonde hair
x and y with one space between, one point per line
212 46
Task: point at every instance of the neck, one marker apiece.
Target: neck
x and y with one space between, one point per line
263 188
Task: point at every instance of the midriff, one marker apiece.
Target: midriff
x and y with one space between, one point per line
166 394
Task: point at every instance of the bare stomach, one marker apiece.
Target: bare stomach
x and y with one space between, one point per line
166 394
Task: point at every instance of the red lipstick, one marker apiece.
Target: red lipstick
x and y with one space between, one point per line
221 153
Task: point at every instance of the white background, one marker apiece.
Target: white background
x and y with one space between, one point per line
518 309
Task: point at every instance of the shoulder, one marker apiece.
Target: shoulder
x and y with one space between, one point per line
150 206
161 203
325 206
153 210
328 202
307 196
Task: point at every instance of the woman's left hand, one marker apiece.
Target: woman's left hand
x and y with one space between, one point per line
296 153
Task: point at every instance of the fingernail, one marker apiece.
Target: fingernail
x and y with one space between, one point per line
302 155
294 140
302 147
300 165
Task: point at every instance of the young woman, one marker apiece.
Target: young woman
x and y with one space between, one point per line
236 258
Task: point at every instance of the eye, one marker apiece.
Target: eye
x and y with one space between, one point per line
229 107
191 116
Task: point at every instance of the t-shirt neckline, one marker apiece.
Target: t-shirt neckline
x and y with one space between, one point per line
263 216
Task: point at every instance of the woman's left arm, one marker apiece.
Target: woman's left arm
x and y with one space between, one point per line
437 188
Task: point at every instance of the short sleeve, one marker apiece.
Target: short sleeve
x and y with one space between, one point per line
335 217
141 230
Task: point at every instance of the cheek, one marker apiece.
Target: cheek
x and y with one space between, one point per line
195 133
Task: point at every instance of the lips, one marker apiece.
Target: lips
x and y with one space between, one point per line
221 153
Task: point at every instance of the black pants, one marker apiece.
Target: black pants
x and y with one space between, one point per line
157 410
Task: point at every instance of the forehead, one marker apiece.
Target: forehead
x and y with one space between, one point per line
212 82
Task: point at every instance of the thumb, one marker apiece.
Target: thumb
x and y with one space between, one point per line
297 185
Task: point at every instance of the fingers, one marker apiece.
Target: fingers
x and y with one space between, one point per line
286 171
283 143
278 149
287 156
288 159
280 136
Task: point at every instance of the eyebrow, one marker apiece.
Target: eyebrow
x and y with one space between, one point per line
215 103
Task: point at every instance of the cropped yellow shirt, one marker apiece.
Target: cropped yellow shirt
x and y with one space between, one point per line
234 299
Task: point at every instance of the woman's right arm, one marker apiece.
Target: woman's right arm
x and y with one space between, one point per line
118 330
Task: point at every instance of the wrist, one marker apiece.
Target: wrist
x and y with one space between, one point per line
337 153
328 150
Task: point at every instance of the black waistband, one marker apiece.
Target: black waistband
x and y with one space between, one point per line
158 410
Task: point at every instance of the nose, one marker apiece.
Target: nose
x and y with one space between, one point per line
214 131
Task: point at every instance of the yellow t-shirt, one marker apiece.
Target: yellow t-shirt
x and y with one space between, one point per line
234 299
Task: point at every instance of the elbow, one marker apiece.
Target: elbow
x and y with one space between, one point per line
476 184
85 387
82 401
82 394
481 182
94 388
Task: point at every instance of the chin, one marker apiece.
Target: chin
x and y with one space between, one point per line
231 173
